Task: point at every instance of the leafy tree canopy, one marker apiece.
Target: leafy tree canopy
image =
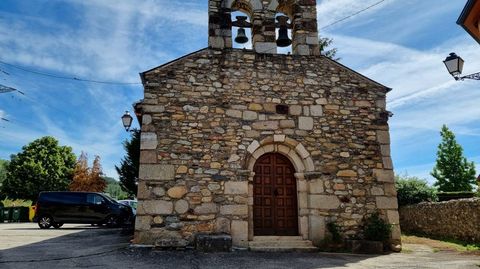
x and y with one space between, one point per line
3 170
413 190
128 170
42 165
114 190
452 170
3 174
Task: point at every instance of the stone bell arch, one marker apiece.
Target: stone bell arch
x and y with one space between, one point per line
303 23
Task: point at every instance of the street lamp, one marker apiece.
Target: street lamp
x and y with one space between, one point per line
127 120
454 64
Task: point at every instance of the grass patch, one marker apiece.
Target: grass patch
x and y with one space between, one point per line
17 202
441 244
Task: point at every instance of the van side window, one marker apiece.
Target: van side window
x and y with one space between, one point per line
63 198
95 199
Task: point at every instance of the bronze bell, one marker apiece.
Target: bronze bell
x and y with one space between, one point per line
241 36
283 39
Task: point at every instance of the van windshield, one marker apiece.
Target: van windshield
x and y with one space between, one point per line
110 199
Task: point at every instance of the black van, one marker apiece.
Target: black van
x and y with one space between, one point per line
56 208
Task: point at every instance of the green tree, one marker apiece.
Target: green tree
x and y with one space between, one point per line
42 165
128 170
3 175
325 43
114 190
452 170
413 190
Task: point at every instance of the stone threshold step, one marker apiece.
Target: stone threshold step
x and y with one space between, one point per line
284 249
281 244
277 238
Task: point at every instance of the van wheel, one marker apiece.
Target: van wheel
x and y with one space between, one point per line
45 222
111 221
57 225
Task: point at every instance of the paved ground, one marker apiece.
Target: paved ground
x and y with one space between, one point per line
77 246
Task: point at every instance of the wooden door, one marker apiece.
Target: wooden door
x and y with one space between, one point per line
274 196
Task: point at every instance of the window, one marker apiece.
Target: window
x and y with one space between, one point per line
95 199
282 109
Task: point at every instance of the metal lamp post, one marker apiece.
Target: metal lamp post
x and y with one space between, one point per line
127 120
454 64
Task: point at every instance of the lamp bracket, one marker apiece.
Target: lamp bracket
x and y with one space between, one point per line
474 76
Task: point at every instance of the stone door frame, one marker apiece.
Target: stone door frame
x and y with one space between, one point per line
302 162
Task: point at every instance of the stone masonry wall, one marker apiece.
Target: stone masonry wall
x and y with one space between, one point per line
457 219
208 116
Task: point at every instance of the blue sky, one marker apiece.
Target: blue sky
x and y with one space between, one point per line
399 43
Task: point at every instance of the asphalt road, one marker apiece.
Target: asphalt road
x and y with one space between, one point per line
77 246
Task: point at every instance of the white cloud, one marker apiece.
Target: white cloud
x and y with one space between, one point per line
424 95
112 40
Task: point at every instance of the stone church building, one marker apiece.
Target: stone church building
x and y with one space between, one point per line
259 145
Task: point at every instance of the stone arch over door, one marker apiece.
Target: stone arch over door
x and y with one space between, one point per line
302 162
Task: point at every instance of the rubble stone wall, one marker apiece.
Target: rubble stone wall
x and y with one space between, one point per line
456 219
208 116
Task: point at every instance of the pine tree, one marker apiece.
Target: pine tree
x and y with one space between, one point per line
325 43
128 170
86 179
452 170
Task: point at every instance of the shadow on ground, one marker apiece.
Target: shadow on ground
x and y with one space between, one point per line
92 247
88 241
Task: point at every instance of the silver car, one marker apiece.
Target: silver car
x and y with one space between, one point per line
131 203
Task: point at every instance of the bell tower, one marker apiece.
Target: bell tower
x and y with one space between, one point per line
265 18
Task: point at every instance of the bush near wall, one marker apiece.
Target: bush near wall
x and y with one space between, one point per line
456 219
447 196
413 190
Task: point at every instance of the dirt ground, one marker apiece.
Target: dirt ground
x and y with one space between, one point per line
77 246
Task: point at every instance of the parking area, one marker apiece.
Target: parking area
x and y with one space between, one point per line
24 244
83 246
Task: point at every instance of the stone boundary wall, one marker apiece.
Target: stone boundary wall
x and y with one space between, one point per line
457 219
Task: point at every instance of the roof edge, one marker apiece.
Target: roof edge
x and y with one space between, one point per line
142 74
463 16
361 75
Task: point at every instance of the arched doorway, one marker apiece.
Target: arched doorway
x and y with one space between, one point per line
275 210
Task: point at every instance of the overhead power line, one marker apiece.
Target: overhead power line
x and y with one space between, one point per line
66 77
341 19
353 14
5 89
137 83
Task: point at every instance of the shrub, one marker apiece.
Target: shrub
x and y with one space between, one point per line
447 196
377 229
413 190
17 202
334 232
